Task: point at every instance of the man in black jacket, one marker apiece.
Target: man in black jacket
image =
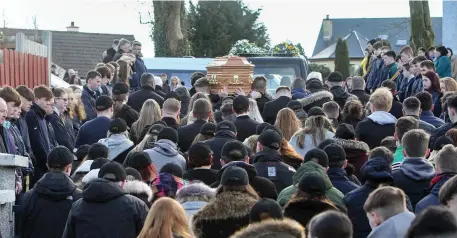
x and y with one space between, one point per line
452 112
225 132
271 109
38 129
63 136
105 210
146 92
111 52
268 160
201 111
170 112
397 107
335 83
199 164
45 208
27 98
234 153
358 89
203 86
245 126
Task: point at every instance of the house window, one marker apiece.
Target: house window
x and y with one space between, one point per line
383 37
401 42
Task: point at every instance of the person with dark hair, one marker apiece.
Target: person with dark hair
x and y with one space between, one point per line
336 172
199 164
97 128
430 54
165 150
120 108
91 93
27 99
442 62
448 193
390 143
389 69
234 153
375 67
259 91
271 109
225 131
265 209
397 107
111 52
411 107
147 91
427 115
184 99
229 211
402 126
245 126
415 84
117 141
139 67
432 85
64 133
104 206
193 78
44 209
330 224
433 222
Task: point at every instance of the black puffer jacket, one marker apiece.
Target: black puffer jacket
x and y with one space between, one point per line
128 114
106 211
217 143
45 208
269 165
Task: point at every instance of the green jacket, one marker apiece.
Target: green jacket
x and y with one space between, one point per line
333 194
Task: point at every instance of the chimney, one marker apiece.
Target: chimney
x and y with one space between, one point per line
72 27
327 28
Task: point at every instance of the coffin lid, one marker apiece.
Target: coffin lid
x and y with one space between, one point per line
230 61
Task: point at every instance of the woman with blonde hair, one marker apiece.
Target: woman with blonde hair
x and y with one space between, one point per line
317 129
166 219
254 112
77 109
125 71
175 83
448 85
149 114
287 122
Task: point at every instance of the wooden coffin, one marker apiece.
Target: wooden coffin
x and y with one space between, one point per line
232 72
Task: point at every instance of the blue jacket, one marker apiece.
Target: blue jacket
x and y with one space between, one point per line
443 66
298 93
375 73
387 72
436 98
414 178
428 117
62 133
432 198
92 131
340 181
139 69
88 98
415 86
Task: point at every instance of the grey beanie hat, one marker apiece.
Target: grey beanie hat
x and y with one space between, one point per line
358 83
298 83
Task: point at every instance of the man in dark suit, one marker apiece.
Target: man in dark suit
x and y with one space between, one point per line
271 109
246 127
201 111
146 92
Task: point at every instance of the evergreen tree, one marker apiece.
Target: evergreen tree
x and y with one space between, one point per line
422 34
342 58
216 25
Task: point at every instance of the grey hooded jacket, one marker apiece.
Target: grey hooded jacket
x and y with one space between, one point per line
396 226
164 152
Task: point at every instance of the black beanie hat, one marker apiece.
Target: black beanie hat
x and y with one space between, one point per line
103 103
260 127
270 139
345 131
208 129
133 174
325 142
172 169
59 157
82 152
314 85
441 142
234 176
265 208
117 126
335 153
138 160
313 183
274 128
317 154
316 111
295 105
97 150
120 88
112 171
335 77
98 163
168 133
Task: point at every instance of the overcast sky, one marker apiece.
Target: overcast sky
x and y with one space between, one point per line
296 20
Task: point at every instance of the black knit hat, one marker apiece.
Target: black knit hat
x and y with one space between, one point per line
139 160
270 139
82 152
97 150
59 157
103 103
316 111
117 126
226 125
98 163
313 183
325 142
274 128
295 105
120 88
441 142
345 131
234 176
317 154
172 95
265 208
168 133
235 149
372 41
112 171
240 103
208 129
172 169
335 77
260 127
335 153
133 174
314 85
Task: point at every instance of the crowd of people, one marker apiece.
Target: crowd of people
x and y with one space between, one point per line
131 155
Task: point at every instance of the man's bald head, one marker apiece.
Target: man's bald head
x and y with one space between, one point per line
3 110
